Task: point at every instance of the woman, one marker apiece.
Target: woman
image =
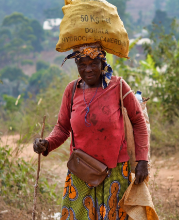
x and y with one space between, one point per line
97 124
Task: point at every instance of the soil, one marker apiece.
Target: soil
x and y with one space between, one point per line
10 213
164 180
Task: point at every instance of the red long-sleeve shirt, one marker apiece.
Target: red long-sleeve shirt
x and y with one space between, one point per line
104 139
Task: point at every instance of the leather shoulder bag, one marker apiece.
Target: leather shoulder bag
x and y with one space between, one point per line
83 165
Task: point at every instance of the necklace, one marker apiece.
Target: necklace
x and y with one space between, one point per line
88 105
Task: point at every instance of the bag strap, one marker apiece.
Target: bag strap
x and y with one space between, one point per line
127 94
122 103
123 97
73 92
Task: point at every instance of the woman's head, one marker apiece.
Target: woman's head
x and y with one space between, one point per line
91 63
90 70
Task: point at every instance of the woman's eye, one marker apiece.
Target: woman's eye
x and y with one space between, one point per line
82 65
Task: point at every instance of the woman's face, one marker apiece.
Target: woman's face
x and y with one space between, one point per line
90 70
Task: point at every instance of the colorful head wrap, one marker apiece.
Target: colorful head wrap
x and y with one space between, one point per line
93 51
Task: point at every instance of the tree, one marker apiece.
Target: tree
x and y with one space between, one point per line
11 105
13 73
172 8
158 4
39 34
121 7
163 62
163 44
171 91
53 13
32 9
15 77
126 18
5 36
161 21
19 37
140 19
41 64
15 19
43 78
24 28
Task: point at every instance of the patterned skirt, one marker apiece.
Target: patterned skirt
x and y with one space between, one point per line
84 202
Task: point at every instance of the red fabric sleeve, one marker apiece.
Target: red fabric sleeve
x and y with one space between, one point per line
62 129
137 119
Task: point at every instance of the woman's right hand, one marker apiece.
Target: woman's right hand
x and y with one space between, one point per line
40 145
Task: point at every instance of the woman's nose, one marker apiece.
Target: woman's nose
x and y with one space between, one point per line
88 68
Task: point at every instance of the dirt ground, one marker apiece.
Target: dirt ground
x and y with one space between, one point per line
164 180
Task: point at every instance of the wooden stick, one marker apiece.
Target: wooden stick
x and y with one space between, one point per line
38 171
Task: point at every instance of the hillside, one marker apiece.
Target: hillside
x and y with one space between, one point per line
147 8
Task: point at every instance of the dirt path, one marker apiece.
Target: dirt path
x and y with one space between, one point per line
163 170
164 181
166 173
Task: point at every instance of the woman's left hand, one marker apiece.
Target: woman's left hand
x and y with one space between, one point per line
141 171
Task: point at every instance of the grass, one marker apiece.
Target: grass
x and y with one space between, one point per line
17 179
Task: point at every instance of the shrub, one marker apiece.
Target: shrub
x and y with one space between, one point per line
27 62
42 65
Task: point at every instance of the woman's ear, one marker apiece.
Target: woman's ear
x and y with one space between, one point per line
77 61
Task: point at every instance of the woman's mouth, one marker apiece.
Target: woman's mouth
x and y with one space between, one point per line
90 76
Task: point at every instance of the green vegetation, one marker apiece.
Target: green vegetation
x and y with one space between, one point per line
32 9
11 104
58 60
17 176
172 7
162 21
27 62
41 65
163 62
25 98
55 12
17 183
13 73
158 4
43 77
19 37
14 81
121 7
